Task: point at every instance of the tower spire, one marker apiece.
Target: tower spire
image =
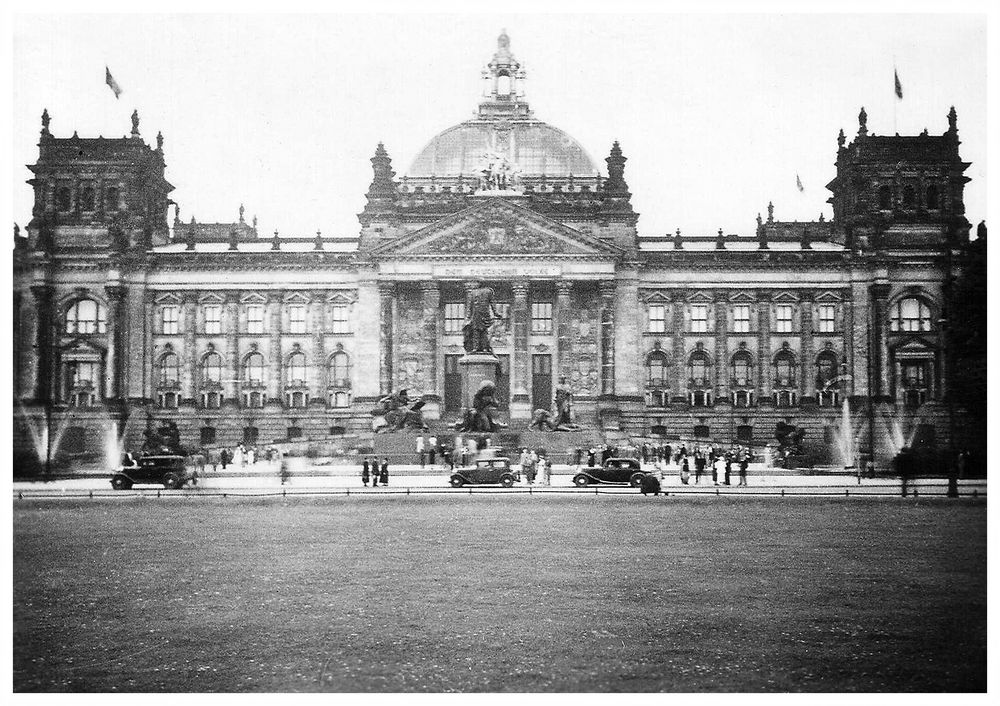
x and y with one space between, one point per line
503 84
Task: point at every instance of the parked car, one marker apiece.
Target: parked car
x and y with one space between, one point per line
487 471
614 470
166 470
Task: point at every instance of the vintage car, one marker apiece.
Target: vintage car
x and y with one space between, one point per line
166 470
487 471
614 470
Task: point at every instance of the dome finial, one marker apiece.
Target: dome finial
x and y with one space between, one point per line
503 41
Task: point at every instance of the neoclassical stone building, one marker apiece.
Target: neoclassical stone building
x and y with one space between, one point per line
121 317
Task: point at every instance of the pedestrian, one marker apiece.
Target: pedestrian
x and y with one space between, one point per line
213 458
465 456
699 466
375 473
717 467
224 458
384 475
432 452
645 452
252 456
666 453
364 472
591 457
423 458
284 470
649 484
420 449
729 467
686 472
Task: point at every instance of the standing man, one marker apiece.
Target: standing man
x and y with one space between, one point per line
420 449
744 462
364 472
432 452
375 473
384 475
729 467
699 466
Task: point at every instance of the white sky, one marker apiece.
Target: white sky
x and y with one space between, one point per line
716 113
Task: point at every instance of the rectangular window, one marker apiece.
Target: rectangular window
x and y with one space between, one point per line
827 319
699 318
213 318
541 317
111 197
297 318
169 318
87 197
741 318
341 324
657 318
255 318
783 318
454 317
64 198
207 436
503 310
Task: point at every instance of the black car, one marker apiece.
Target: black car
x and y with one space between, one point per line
168 471
614 470
487 471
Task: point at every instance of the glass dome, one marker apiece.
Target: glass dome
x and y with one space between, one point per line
536 148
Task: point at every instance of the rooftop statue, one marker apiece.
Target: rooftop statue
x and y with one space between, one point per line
497 173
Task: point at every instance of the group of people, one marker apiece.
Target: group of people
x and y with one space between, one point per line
596 456
371 470
535 466
717 462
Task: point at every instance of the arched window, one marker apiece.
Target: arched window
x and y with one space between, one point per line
933 200
296 368
253 369
884 198
339 370
169 369
656 365
85 316
211 369
909 196
784 369
826 369
698 367
910 314
742 369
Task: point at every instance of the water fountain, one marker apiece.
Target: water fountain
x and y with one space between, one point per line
847 440
44 439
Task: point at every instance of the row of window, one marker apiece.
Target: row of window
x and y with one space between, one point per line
783 368
211 322
254 399
908 197
86 197
253 370
910 314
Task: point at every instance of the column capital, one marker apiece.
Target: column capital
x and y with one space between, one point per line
430 285
42 291
470 284
607 288
564 287
115 292
386 289
519 288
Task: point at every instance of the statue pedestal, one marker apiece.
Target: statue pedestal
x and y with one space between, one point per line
476 367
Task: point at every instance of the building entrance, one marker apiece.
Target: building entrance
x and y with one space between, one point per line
541 381
452 384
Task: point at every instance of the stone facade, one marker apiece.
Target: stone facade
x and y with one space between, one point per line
121 318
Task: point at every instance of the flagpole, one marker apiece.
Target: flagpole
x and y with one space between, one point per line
895 97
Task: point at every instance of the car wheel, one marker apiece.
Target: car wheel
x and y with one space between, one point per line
636 480
171 481
119 483
457 482
580 480
507 481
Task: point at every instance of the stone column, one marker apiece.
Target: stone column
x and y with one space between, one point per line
764 346
317 311
721 353
43 341
190 353
564 330
680 354
144 318
880 344
232 369
431 300
607 337
274 382
386 295
112 374
807 382
520 401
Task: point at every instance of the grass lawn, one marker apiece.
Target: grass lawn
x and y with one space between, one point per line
500 593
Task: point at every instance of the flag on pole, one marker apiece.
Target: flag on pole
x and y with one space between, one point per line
899 86
798 183
112 84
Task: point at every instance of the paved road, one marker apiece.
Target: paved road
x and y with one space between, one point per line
411 480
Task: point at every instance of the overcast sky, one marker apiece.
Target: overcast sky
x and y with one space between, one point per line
716 113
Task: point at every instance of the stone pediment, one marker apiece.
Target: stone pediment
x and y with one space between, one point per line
497 227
